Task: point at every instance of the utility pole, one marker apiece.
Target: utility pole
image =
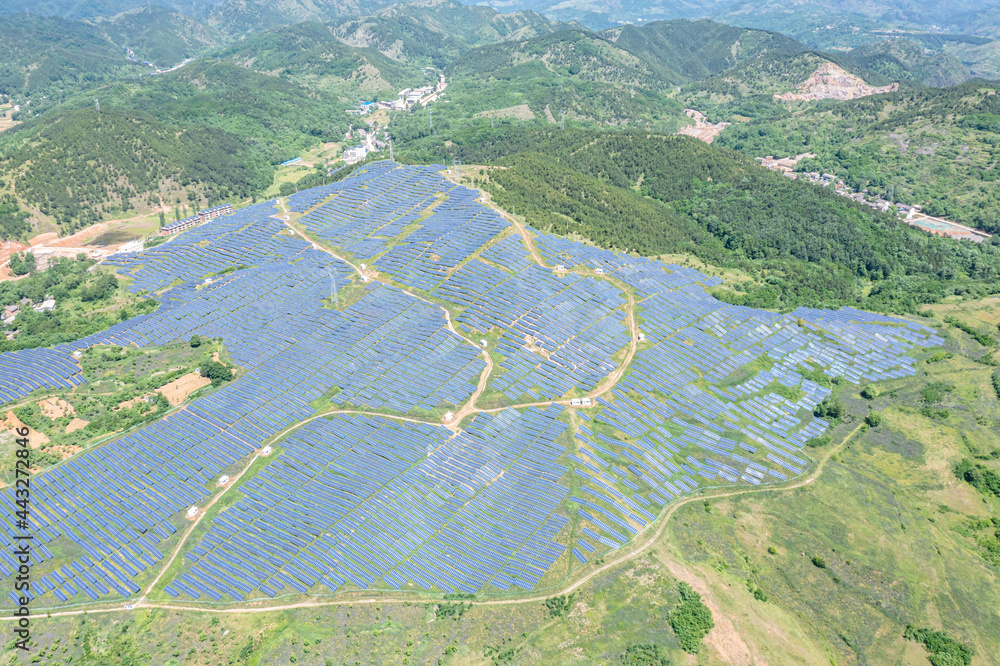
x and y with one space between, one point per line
391 159
333 287
430 115
562 123
97 105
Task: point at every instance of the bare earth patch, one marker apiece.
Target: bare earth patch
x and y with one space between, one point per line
178 390
76 424
702 129
56 408
521 112
830 81
35 438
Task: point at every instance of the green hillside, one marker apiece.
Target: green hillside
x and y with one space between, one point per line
803 244
936 148
161 36
688 50
41 56
81 165
437 31
582 74
310 54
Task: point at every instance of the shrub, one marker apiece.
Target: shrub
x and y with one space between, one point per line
691 619
645 655
828 409
819 562
944 650
557 606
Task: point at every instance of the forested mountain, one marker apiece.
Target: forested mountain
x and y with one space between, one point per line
211 129
40 55
687 50
310 53
904 60
160 35
437 31
92 9
792 18
656 194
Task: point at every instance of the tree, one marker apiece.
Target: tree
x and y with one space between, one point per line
873 419
869 393
163 219
195 341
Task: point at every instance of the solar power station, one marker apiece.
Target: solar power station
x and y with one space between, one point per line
565 456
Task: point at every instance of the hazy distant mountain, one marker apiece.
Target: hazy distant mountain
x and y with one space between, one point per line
756 13
439 30
160 35
40 53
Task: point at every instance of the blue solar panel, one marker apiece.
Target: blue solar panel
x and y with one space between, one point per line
375 500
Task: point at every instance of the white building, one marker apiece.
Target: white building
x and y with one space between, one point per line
133 246
192 512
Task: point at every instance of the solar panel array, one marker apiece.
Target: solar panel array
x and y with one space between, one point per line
371 501
559 332
27 370
379 501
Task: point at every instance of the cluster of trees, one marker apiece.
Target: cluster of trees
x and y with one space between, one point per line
22 264
219 373
82 299
112 419
14 223
645 654
691 619
558 606
979 476
829 409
